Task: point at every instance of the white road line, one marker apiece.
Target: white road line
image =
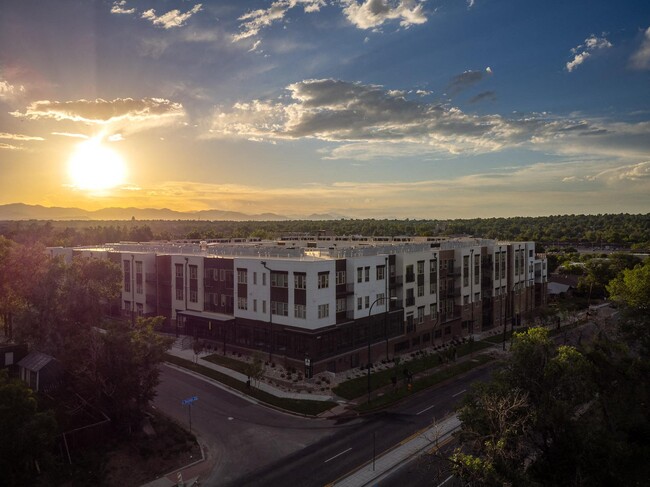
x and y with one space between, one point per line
445 481
459 393
338 455
425 410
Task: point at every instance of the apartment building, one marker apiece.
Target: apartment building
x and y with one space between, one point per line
325 298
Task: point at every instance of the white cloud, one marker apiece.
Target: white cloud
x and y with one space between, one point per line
69 134
119 8
173 18
255 45
5 135
9 91
641 58
468 78
256 20
583 51
4 146
119 115
470 3
352 113
370 14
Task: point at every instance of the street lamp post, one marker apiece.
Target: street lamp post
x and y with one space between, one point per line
383 298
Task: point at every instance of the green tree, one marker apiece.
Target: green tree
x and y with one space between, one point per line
25 433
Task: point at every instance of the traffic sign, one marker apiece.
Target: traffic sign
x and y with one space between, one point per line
189 400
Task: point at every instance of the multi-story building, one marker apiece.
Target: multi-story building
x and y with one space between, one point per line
326 298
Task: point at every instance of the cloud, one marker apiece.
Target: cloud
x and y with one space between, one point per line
483 96
9 91
4 146
256 20
370 14
583 51
470 3
119 8
5 135
469 78
69 134
173 18
351 113
124 114
641 58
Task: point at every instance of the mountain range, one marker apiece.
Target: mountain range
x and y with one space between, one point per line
21 211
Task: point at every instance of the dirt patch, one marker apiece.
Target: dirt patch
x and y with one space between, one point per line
148 456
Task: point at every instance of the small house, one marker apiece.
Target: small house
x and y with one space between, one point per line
40 371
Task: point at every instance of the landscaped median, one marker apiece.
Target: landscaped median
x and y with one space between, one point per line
300 406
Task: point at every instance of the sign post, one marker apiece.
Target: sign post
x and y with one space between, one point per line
188 402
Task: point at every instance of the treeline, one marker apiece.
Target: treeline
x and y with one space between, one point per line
621 230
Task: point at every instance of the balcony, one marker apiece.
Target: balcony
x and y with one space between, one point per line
410 277
410 301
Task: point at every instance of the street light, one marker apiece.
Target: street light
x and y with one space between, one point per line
382 298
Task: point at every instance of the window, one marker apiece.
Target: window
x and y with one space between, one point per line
242 303
497 265
410 324
299 280
242 276
477 297
223 300
340 305
433 266
381 272
466 300
359 274
420 267
9 358
264 303
300 311
323 310
323 280
254 278
138 277
179 293
340 277
127 305
433 312
380 299
410 276
359 303
194 296
367 300
193 272
279 279
421 290
127 276
263 279
367 274
420 315
139 309
410 298
432 287
465 270
279 308
179 270
477 268
255 305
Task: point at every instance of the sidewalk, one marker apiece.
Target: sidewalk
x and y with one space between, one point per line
387 462
188 354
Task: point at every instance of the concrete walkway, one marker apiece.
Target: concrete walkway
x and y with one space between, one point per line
373 472
188 354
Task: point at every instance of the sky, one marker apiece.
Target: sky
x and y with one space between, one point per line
353 108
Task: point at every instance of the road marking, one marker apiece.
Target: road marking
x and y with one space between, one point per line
459 393
338 455
425 409
445 481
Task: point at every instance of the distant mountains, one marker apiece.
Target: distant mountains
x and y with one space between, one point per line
21 211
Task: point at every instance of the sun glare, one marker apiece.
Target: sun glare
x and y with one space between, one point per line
94 167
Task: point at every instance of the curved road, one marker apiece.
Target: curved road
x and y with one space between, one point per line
254 445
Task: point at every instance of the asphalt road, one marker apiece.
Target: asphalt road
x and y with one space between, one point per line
328 459
240 436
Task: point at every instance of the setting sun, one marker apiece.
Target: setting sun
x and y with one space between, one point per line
95 167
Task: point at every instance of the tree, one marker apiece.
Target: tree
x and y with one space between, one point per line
26 434
120 369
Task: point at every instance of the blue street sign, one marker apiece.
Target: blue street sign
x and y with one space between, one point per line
189 400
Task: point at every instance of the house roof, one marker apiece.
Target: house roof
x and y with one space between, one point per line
557 288
36 361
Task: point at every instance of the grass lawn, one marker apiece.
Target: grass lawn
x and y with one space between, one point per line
353 388
308 408
231 363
